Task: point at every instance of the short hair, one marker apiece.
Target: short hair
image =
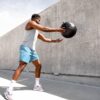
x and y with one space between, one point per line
35 16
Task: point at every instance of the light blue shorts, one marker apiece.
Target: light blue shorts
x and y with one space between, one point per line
27 55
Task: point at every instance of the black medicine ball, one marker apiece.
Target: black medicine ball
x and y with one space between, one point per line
70 28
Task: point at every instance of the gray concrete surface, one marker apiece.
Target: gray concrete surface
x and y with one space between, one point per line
67 88
77 56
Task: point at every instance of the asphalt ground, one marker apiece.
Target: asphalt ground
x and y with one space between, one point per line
67 87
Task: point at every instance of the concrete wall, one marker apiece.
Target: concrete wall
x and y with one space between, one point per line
9 45
79 55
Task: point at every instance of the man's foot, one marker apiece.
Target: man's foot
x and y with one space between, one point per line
8 95
38 88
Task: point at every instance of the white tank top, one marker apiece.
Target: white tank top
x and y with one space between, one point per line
31 38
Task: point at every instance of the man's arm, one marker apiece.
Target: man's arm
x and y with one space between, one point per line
43 38
44 28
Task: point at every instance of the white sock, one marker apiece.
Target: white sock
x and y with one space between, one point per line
37 81
11 86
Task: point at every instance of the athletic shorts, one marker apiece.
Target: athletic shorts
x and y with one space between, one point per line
27 55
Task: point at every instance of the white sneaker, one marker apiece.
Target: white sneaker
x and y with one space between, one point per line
8 95
38 88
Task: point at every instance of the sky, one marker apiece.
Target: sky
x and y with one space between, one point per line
15 12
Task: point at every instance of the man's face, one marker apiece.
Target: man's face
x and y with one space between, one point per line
38 20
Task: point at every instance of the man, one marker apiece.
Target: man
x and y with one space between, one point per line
28 53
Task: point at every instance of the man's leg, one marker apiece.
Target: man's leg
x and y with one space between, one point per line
18 71
38 66
16 75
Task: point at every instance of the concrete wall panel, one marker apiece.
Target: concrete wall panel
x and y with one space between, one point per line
79 55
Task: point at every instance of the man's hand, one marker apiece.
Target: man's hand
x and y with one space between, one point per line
57 40
43 38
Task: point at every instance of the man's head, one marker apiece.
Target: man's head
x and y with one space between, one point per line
36 17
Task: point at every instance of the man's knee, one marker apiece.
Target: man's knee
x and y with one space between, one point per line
21 66
36 62
21 63
39 65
